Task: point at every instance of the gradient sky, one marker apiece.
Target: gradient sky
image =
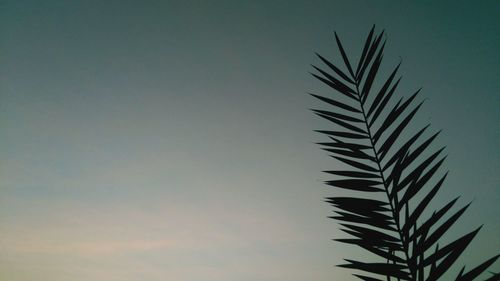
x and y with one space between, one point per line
171 140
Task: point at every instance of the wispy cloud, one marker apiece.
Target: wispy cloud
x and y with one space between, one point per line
113 242
70 229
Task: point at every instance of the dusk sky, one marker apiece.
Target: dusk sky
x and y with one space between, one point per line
172 140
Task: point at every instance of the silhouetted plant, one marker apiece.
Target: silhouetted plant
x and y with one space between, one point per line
392 175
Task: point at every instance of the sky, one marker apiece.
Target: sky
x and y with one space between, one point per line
172 140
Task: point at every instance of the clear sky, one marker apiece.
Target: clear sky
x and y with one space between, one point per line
171 140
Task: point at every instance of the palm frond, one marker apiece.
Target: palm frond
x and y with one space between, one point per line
393 178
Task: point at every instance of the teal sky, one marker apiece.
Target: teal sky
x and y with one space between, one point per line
171 140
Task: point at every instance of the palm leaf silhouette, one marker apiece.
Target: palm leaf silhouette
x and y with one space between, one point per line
392 174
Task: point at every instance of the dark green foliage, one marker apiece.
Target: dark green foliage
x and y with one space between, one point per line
392 174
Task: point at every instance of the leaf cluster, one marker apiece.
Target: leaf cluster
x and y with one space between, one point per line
393 174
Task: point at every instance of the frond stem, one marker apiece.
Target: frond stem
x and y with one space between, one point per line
384 182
